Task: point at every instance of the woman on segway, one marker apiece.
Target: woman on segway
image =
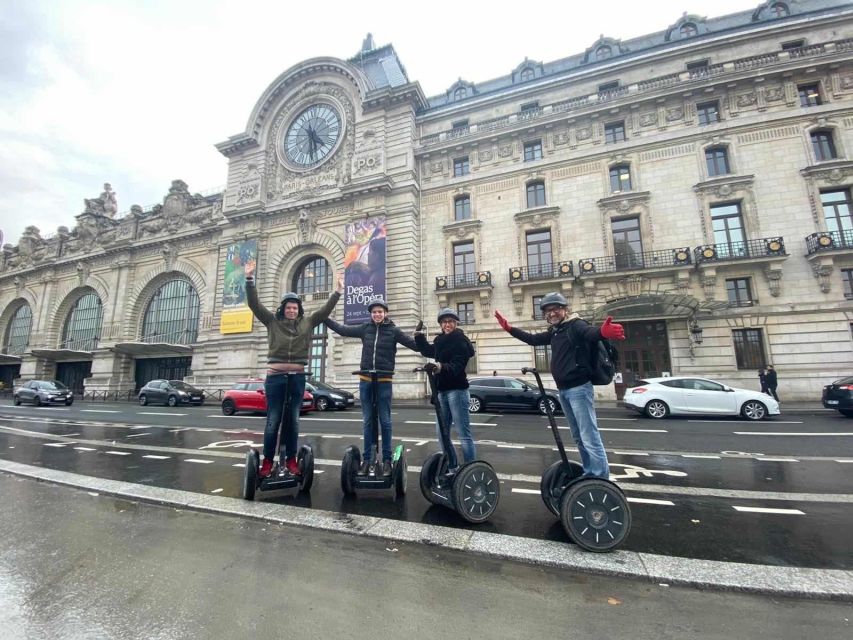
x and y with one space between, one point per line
379 340
451 350
289 336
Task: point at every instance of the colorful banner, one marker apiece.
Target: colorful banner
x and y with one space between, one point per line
364 267
236 315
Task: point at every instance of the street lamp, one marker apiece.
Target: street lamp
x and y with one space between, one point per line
694 335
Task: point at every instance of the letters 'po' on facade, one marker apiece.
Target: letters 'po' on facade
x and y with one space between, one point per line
694 183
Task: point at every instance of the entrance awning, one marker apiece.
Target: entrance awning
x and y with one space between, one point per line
62 355
654 305
8 358
151 349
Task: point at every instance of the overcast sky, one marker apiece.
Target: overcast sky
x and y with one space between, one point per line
137 93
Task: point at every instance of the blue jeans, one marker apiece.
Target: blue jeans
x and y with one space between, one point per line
278 387
453 405
579 408
383 407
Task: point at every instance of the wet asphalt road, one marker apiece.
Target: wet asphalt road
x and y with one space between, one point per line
719 489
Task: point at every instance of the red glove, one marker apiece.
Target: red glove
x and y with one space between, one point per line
612 331
506 326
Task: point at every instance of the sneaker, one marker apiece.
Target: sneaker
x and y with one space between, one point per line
386 468
292 466
266 468
362 470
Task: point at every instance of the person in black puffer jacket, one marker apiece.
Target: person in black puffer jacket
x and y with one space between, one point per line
379 340
451 350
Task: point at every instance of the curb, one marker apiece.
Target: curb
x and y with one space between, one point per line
820 584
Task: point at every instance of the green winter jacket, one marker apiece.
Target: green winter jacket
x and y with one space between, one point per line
289 340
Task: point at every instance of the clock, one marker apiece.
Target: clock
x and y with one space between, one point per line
312 135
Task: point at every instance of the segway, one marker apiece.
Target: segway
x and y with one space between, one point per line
280 478
472 489
374 479
593 511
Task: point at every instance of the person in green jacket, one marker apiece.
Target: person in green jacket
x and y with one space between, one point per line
289 336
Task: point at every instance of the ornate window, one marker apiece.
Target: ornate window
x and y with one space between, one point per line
620 178
603 52
462 207
739 292
837 209
749 348
464 267
614 132
717 161
461 167
688 30
18 332
535 194
823 145
314 277
466 312
779 10
539 253
172 314
729 235
809 95
82 328
708 113
532 150
460 92
627 242
527 74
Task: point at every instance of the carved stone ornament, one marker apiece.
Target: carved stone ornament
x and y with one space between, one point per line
649 119
561 138
847 82
505 150
486 155
822 271
709 284
584 133
674 113
746 99
773 273
774 94
82 273
306 224
249 189
19 285
169 255
103 205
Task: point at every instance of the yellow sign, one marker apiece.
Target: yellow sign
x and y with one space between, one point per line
235 321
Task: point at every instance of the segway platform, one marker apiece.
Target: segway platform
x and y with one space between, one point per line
280 478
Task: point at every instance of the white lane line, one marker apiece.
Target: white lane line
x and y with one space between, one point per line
71 435
792 512
197 461
331 420
844 461
333 437
776 460
665 503
634 430
747 421
473 424
630 453
216 491
138 435
85 449
316 471
118 453
98 411
797 434
141 426
510 446
241 417
55 444
158 413
243 464
181 429
153 457
531 491
696 455
618 419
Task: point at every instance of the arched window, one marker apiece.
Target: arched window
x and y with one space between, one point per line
460 92
688 29
172 314
82 328
462 207
314 277
18 332
779 10
527 74
603 52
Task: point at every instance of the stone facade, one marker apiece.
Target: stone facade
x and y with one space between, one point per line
639 106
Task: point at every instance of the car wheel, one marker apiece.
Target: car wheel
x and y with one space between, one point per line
543 409
16 400
657 409
143 400
172 401
754 410
37 401
475 405
69 402
228 407
322 404
848 413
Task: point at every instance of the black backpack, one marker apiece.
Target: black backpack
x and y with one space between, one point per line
603 362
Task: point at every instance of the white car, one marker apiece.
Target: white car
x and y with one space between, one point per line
660 397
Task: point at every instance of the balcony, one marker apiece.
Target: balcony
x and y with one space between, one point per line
464 281
743 250
829 241
553 271
821 250
665 259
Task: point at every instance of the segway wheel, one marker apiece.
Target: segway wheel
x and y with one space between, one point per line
476 491
349 468
400 481
305 460
595 515
250 475
554 482
430 469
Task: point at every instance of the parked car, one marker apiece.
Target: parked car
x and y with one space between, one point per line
248 395
501 392
40 392
684 395
171 393
328 397
839 395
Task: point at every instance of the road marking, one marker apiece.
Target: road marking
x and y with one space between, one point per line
531 491
216 491
141 426
630 453
844 461
70 435
55 444
153 457
510 446
665 503
618 419
85 449
473 424
158 413
181 429
220 415
696 455
98 411
333 437
138 435
331 419
793 512
239 464
633 430
118 453
197 461
747 421
777 460
784 433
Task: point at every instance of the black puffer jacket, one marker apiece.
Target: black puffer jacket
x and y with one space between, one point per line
570 347
452 350
378 342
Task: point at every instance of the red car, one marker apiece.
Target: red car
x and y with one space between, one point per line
248 395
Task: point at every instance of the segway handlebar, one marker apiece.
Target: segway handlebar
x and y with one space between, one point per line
370 372
535 372
548 412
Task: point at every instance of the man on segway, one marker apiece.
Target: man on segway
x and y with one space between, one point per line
571 340
451 351
379 340
289 337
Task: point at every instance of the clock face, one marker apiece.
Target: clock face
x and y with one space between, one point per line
312 135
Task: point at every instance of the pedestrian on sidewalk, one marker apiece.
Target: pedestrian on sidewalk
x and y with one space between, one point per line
762 380
772 381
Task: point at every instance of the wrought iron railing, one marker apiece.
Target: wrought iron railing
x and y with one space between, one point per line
759 248
542 272
829 241
463 280
635 261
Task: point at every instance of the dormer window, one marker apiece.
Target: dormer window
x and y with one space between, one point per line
779 10
603 52
460 92
527 74
688 30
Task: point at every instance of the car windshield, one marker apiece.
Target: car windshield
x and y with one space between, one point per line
53 386
178 384
844 381
309 387
322 385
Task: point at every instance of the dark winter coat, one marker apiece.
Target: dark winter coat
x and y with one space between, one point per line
772 381
452 350
570 348
378 342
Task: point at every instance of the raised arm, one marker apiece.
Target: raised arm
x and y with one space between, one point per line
405 340
261 312
326 310
343 330
423 347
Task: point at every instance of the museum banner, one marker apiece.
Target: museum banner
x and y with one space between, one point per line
364 267
236 315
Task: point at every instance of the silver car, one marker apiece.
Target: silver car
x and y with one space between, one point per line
39 392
